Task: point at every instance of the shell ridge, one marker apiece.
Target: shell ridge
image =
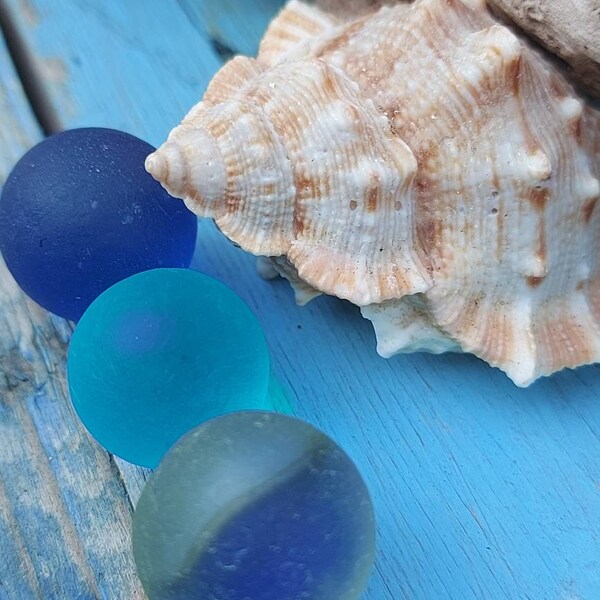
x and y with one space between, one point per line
496 330
295 23
258 226
567 336
231 79
259 99
329 211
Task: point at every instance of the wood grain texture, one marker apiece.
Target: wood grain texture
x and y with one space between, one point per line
232 26
111 49
482 490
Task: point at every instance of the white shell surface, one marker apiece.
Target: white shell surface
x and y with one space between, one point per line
420 161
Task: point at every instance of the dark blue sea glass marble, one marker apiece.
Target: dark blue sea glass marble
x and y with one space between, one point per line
79 213
159 353
254 506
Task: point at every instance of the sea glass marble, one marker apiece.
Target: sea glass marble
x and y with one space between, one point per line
159 353
79 213
254 506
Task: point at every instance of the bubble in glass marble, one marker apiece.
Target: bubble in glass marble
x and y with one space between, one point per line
254 505
79 213
159 353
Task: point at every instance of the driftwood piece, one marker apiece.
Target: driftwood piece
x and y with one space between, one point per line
570 30
352 8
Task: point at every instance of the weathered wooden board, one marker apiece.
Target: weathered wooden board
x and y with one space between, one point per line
233 26
482 490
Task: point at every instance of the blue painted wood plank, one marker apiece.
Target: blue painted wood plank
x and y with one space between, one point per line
78 44
18 128
233 25
482 490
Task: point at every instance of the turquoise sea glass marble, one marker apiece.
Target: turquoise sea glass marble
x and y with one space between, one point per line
159 353
254 506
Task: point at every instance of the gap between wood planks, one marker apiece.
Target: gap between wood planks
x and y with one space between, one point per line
31 79
28 73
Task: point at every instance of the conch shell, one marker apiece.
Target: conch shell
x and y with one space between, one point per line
422 162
